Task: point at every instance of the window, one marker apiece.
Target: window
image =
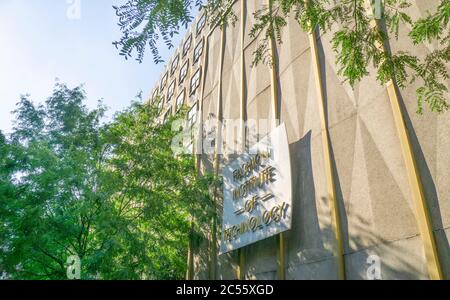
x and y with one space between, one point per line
180 100
171 90
187 45
192 115
155 94
201 23
191 120
167 115
164 81
160 104
195 81
184 71
190 147
174 65
198 51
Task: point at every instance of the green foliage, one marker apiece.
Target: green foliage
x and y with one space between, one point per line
357 38
357 41
269 22
433 70
55 152
113 194
155 193
143 22
220 12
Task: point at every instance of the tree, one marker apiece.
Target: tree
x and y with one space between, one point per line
113 194
156 194
355 40
433 70
58 155
160 17
7 195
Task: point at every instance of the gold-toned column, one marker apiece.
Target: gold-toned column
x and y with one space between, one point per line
218 149
243 81
274 77
331 188
415 181
241 252
275 123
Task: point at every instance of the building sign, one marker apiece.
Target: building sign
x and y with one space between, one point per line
257 193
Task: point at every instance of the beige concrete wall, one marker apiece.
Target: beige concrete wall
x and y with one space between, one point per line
376 208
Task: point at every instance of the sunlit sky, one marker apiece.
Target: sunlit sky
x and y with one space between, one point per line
41 40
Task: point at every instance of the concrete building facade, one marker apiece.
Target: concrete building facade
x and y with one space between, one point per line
370 177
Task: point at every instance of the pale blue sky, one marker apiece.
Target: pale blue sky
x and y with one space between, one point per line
40 41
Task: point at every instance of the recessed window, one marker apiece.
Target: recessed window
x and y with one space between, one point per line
198 51
167 115
184 71
192 115
160 104
187 45
201 23
180 100
155 94
164 81
190 147
171 91
195 81
174 65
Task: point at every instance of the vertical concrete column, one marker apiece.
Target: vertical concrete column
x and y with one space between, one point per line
198 148
331 188
241 252
217 154
274 77
275 123
243 80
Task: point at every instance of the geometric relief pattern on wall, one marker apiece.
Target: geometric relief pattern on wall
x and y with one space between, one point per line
258 77
378 120
361 94
311 117
372 178
293 99
213 63
393 216
295 43
341 98
359 204
370 167
331 67
233 40
298 97
442 172
232 92
231 110
252 6
376 210
420 9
